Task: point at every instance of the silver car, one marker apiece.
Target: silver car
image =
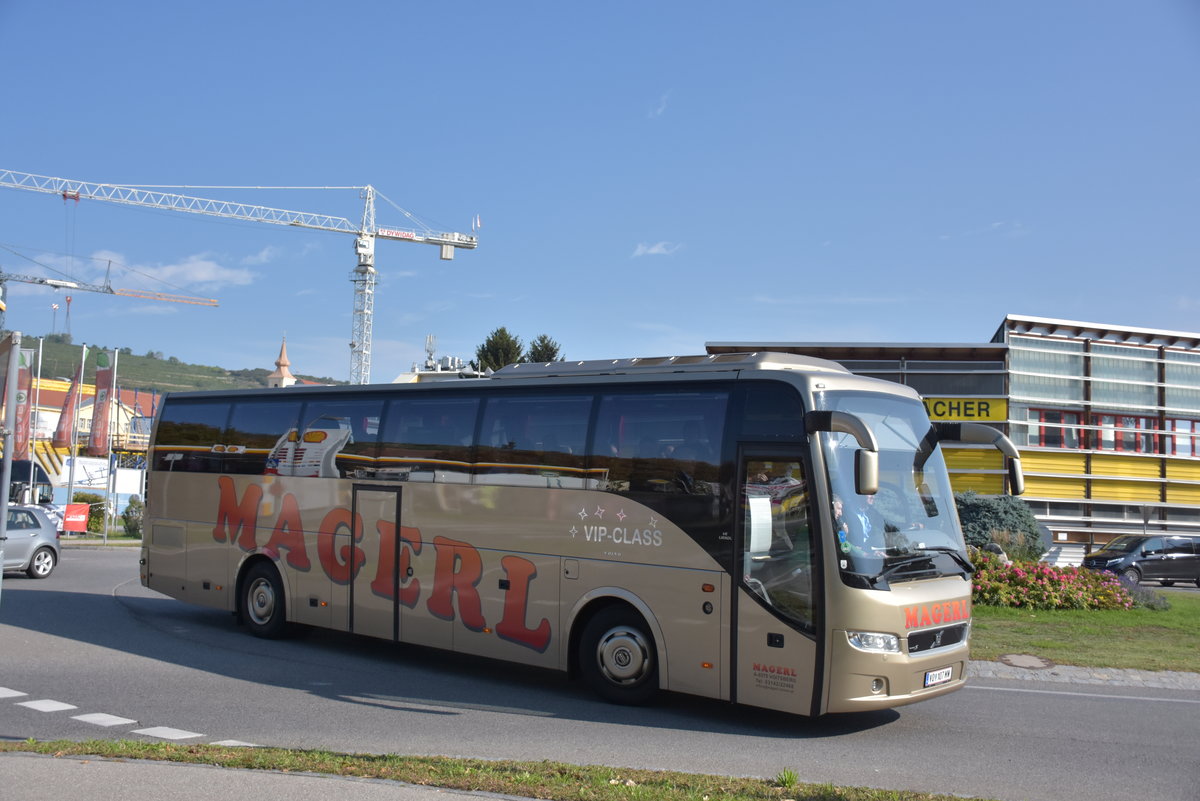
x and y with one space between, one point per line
31 543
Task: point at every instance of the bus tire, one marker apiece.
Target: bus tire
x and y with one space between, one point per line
264 607
617 657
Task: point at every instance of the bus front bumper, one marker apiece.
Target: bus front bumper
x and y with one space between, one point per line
867 680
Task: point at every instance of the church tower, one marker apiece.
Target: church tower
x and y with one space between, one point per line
282 377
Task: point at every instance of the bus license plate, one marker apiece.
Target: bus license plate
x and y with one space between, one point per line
938 676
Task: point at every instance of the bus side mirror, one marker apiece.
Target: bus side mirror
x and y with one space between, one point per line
1016 477
866 458
986 435
866 472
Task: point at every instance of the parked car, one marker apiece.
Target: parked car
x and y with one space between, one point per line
31 543
1138 557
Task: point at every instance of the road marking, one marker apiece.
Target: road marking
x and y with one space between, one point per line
235 744
7 693
46 705
101 719
167 733
1088 695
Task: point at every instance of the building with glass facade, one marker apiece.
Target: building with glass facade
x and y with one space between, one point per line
1107 418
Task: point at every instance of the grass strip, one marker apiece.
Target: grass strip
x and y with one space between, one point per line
1143 639
543 780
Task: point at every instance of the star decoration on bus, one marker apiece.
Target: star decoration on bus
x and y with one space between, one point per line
621 515
599 512
583 514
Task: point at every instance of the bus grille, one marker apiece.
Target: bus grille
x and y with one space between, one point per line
921 641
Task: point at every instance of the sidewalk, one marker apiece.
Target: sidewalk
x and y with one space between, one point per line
1033 668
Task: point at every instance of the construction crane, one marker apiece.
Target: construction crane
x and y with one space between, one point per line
363 276
105 288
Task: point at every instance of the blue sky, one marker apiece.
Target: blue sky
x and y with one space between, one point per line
649 176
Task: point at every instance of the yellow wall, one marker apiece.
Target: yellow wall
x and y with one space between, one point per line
1071 463
1183 470
973 459
982 483
1125 491
1106 464
1046 487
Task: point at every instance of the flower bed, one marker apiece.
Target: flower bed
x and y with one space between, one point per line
1036 585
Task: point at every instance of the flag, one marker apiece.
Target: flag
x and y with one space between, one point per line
105 379
24 390
62 432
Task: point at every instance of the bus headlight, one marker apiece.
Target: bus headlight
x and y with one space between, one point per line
874 642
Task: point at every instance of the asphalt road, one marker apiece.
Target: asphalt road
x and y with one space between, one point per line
132 663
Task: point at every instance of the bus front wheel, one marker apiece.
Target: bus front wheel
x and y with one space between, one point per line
617 657
263 605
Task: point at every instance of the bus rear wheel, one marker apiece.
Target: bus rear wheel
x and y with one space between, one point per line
264 607
617 657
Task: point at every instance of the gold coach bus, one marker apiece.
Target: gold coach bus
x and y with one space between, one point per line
692 524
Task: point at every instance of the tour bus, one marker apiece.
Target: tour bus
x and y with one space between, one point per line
678 524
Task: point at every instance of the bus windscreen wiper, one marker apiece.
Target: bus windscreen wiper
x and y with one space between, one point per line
955 554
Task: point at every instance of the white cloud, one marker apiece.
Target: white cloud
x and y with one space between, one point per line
264 256
199 272
657 249
661 107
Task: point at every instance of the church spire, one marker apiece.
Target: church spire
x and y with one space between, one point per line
282 377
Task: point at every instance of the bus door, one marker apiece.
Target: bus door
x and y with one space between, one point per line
376 587
777 606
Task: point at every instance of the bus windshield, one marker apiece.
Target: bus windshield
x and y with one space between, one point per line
909 530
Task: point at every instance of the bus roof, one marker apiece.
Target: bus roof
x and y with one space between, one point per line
722 362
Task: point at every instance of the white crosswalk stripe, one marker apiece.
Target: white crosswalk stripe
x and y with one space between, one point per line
167 733
7 693
47 705
101 719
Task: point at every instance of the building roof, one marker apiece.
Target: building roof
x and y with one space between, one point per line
850 351
1123 334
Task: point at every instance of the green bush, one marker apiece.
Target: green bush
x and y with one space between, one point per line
1037 585
1003 519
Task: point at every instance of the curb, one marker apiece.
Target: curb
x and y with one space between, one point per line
1028 668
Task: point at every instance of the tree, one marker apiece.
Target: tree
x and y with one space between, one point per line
96 510
133 515
544 349
499 349
1005 520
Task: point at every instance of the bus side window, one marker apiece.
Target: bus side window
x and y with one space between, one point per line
769 411
666 443
189 436
427 439
350 432
534 440
257 439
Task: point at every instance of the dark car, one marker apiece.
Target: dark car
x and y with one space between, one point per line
1166 558
31 542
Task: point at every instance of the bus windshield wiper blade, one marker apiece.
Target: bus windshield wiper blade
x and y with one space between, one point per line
954 554
905 561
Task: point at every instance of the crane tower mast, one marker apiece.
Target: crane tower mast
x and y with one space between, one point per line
363 277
